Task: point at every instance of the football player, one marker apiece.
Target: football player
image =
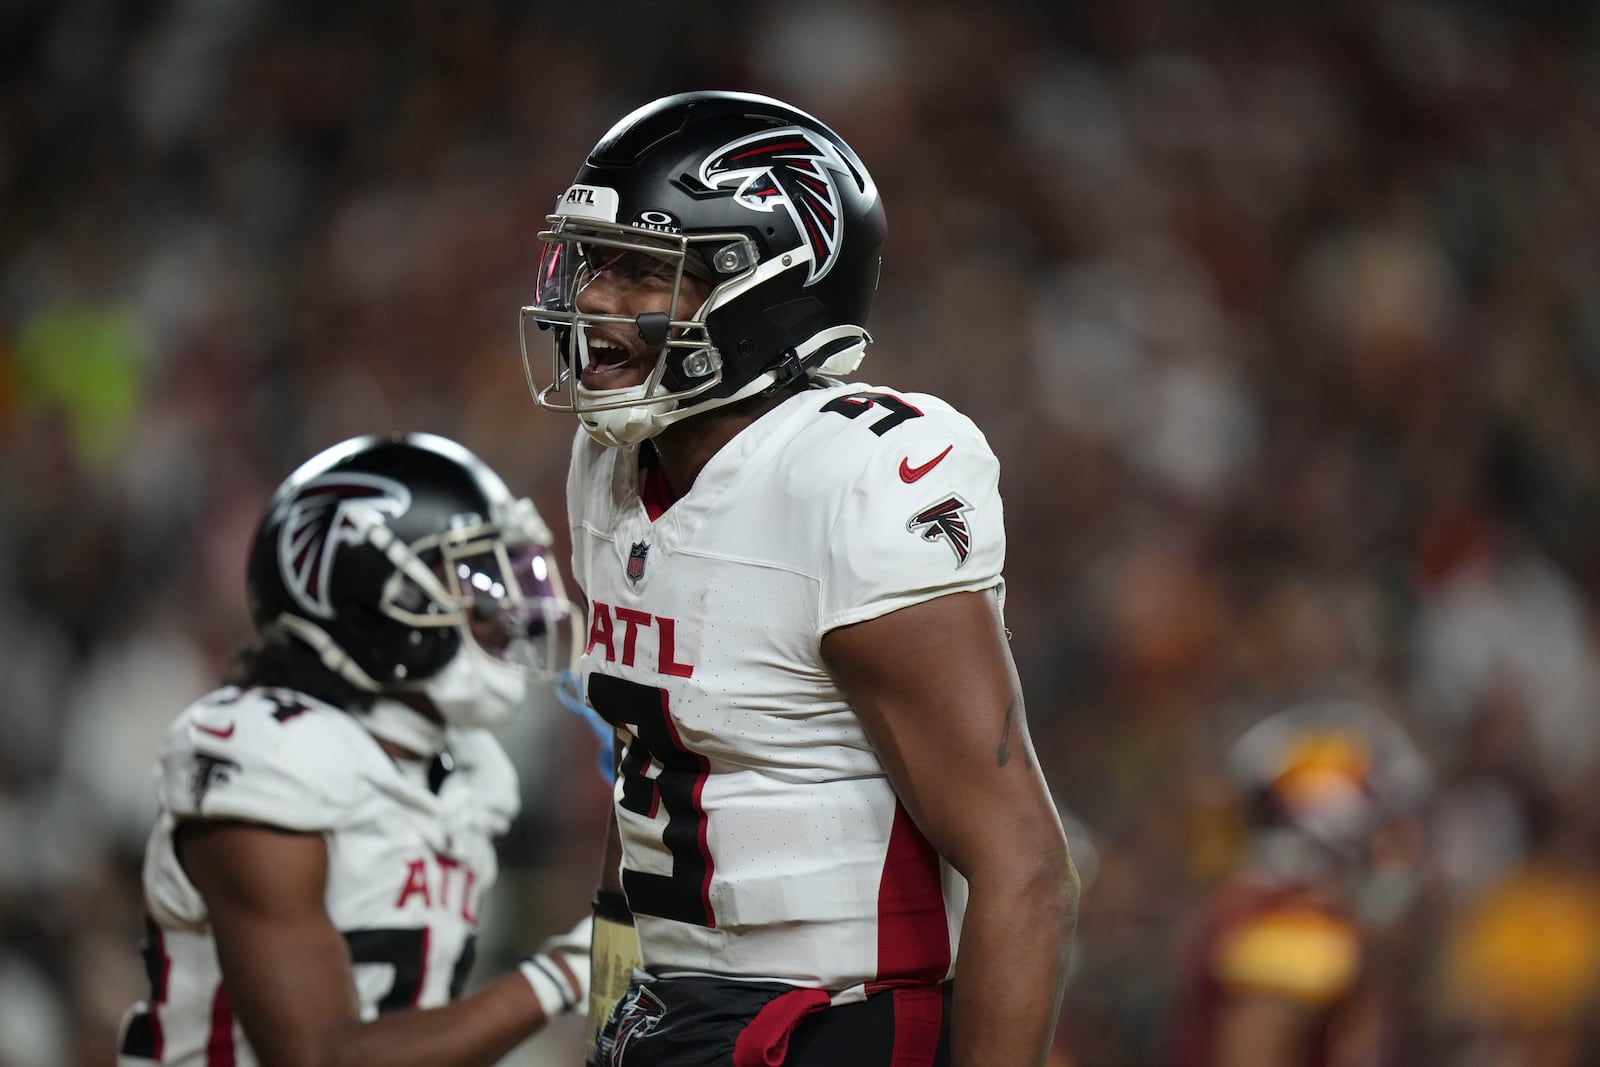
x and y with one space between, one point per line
328 819
1276 970
827 803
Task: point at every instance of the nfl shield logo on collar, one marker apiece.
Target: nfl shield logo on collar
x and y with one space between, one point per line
636 556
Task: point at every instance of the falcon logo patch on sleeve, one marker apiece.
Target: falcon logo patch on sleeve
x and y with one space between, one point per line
946 520
208 771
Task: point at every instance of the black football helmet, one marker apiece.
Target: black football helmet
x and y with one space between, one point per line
397 557
758 200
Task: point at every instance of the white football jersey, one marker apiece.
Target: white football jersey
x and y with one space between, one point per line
407 867
760 835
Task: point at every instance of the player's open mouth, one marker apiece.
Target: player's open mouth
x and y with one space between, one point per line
609 365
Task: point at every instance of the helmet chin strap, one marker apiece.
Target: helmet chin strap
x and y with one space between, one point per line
387 719
630 425
472 690
333 657
398 723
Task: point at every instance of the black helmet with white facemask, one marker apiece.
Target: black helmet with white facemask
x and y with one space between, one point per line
759 201
412 571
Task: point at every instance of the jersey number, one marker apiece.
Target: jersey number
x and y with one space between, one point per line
405 948
402 948
142 1037
852 405
675 789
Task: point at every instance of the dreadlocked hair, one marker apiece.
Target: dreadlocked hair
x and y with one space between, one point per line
277 659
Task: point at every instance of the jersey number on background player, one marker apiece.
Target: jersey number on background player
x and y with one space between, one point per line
405 948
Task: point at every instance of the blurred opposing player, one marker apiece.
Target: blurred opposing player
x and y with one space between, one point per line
1276 969
829 827
327 827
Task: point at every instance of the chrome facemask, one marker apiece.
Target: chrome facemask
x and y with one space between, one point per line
575 251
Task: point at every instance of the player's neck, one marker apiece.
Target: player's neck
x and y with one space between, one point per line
683 449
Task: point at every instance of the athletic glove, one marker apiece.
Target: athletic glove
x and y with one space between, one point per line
559 971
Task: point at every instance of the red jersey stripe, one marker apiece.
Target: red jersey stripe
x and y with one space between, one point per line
219 1046
913 933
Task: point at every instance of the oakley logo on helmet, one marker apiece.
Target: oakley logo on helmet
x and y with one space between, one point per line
319 521
945 520
661 221
792 167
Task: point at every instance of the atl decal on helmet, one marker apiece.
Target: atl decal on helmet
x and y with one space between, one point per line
319 521
794 168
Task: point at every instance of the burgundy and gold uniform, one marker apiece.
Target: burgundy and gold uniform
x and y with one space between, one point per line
1258 939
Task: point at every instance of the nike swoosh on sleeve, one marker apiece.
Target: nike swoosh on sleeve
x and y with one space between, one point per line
214 732
909 474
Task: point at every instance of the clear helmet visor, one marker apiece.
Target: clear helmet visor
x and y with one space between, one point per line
513 607
560 264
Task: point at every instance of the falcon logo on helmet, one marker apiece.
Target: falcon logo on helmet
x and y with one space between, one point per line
792 167
320 519
945 519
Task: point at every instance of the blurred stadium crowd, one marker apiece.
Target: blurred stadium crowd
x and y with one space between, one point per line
1284 320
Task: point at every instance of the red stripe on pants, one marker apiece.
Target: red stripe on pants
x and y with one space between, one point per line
918 1019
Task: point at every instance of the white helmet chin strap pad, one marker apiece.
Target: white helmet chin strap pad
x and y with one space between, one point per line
847 359
390 720
473 690
638 422
622 425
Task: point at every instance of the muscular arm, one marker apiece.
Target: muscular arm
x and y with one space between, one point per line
288 972
937 692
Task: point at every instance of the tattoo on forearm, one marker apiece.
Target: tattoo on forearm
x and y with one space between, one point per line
1002 752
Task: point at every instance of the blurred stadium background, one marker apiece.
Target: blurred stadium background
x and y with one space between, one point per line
1284 319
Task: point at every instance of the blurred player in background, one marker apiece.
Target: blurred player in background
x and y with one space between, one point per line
328 818
1278 971
826 786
